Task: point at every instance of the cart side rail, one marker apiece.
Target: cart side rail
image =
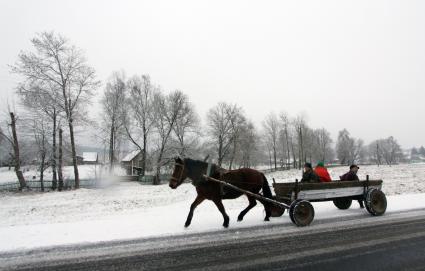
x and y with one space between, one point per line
323 191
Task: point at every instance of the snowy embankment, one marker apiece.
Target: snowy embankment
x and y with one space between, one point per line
130 210
86 172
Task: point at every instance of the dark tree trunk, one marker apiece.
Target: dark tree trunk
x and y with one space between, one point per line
233 155
74 155
111 147
143 165
293 154
43 159
157 179
288 159
220 150
71 134
60 166
54 176
22 182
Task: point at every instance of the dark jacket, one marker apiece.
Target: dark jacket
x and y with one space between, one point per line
310 177
349 176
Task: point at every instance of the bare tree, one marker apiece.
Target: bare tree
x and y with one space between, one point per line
139 122
343 146
168 109
248 148
114 106
187 129
43 97
238 123
322 145
386 149
348 149
271 130
300 127
12 138
57 63
39 128
221 120
60 157
285 136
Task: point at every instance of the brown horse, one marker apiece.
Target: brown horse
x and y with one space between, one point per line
244 178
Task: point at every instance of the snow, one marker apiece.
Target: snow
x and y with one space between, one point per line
128 210
86 172
90 156
130 156
398 179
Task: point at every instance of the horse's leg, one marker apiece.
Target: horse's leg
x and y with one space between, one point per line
195 203
252 203
267 209
220 207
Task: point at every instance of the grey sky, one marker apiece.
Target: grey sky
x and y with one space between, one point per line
348 64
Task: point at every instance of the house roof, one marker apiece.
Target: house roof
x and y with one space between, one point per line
90 156
130 156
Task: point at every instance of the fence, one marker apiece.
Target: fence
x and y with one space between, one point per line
149 178
36 185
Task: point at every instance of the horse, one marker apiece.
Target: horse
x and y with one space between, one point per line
244 178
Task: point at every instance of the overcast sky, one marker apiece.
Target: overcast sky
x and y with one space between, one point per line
358 65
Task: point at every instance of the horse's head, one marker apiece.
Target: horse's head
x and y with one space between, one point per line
179 173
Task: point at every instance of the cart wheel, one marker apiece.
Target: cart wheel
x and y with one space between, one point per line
302 213
276 211
342 203
376 202
291 209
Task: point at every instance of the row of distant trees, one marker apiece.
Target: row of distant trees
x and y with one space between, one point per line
58 85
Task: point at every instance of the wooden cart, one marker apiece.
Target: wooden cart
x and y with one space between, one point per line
297 197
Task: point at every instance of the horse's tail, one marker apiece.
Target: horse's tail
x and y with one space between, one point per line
266 188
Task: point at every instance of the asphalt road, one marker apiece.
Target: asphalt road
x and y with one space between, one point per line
392 242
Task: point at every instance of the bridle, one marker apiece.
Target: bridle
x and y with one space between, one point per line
179 179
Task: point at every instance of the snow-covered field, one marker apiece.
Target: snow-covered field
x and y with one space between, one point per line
131 210
398 179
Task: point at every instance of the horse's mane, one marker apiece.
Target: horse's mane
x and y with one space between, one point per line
191 163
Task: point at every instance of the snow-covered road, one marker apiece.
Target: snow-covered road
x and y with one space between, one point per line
168 220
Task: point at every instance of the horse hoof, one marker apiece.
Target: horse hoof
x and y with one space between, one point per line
240 219
186 225
266 219
226 225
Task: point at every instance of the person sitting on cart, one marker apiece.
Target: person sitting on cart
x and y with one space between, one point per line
322 172
352 176
309 176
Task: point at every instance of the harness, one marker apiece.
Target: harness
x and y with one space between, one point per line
179 179
194 182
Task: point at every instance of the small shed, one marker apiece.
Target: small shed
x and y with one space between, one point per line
132 161
90 158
